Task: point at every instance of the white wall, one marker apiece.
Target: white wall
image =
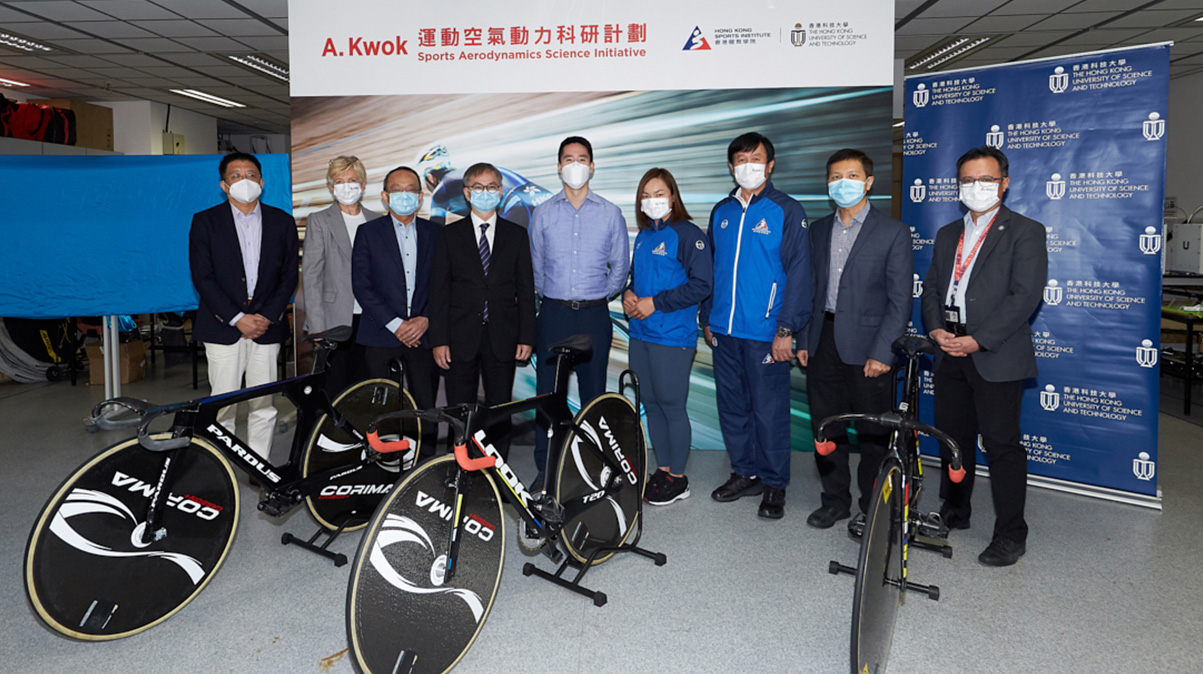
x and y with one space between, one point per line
276 143
1184 156
138 128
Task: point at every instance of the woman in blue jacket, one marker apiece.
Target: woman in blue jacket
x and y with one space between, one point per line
671 272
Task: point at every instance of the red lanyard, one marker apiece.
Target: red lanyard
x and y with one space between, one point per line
959 269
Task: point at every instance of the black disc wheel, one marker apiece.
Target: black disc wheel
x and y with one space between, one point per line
88 572
596 516
879 574
355 495
403 614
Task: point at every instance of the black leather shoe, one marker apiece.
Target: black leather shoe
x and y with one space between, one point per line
1002 552
953 521
737 487
772 506
826 516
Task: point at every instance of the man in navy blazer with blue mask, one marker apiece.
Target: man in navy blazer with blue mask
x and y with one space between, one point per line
863 269
390 276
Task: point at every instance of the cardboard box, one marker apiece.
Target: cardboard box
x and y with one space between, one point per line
93 123
133 362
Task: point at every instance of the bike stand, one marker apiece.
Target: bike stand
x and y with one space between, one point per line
932 591
338 558
599 598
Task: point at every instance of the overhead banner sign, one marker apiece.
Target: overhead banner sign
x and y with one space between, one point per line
1086 140
385 47
441 86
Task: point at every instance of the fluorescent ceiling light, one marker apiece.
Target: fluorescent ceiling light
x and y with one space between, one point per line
208 98
949 50
8 39
899 123
11 83
260 64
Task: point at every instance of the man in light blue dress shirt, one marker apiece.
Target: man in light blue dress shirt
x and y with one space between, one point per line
581 253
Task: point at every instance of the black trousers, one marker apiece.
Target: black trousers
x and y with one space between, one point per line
835 387
463 382
557 322
347 364
965 406
421 380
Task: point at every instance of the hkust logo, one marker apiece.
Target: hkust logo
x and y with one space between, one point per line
696 41
1150 241
1053 293
797 36
995 137
920 96
1050 400
1059 80
1143 468
1153 128
1055 188
1146 353
918 191
916 286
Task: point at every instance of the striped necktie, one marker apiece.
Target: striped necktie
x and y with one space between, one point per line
484 259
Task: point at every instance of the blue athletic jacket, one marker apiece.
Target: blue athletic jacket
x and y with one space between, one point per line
761 266
672 265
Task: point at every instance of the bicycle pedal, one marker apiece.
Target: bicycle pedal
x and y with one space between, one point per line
932 525
548 509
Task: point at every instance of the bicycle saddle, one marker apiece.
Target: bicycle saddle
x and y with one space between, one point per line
579 347
340 334
913 345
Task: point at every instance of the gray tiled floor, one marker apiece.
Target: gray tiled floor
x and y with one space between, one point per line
1103 588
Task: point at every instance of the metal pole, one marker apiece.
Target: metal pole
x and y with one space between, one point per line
112 355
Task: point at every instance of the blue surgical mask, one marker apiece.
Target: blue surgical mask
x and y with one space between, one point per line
846 193
485 201
403 203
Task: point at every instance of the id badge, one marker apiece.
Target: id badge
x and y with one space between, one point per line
952 320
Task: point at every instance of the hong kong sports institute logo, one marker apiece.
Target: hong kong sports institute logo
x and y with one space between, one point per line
921 96
1058 82
696 41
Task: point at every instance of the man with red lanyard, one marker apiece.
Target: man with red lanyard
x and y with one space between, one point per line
986 279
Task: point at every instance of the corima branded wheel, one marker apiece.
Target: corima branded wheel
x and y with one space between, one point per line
593 519
402 613
878 575
330 447
88 574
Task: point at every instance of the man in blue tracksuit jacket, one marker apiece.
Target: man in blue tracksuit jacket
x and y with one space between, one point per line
762 296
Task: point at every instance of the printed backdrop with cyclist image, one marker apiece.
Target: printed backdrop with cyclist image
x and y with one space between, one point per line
439 87
1085 136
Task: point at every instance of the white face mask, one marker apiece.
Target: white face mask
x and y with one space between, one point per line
749 175
348 193
979 197
655 208
245 191
575 174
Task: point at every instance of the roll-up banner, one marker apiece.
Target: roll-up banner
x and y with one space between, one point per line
440 86
1085 136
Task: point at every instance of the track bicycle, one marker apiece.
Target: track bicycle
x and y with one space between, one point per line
136 532
428 567
894 522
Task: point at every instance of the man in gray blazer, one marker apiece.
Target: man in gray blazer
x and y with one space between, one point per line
986 279
862 266
326 269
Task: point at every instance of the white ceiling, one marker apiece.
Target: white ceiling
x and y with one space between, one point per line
139 49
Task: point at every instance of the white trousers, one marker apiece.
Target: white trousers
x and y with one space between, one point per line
227 365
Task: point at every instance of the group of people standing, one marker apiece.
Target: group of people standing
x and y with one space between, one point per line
765 286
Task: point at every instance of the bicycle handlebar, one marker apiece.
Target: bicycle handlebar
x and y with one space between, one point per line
895 421
159 444
458 431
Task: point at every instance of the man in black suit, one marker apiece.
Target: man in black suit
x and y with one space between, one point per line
482 300
862 266
986 278
390 276
243 257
